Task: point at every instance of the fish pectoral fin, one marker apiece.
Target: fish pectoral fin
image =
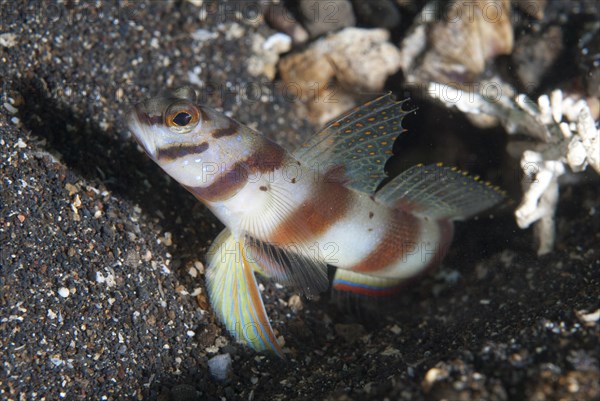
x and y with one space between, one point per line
234 294
360 141
439 192
287 265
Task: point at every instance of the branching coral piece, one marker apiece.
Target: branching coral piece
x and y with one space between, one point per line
574 143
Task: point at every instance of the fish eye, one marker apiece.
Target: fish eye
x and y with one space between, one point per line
182 117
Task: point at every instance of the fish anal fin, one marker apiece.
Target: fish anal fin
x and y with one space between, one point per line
235 297
439 192
363 296
366 285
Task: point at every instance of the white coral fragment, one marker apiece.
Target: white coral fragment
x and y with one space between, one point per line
540 197
574 143
590 137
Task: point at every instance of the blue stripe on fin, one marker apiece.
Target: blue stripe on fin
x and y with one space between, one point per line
362 296
366 285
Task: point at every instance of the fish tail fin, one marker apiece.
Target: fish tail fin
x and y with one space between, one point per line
234 294
439 192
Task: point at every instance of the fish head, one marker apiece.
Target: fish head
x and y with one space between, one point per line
183 137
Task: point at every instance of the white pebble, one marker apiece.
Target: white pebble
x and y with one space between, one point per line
202 35
10 108
199 267
100 277
279 43
8 39
56 361
64 292
219 366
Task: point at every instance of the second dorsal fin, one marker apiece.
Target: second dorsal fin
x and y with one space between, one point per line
361 141
439 192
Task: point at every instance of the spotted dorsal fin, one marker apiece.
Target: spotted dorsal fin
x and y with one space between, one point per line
361 141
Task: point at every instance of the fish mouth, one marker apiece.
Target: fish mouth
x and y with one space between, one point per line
139 127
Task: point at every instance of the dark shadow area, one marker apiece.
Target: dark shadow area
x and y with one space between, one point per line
116 163
104 160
